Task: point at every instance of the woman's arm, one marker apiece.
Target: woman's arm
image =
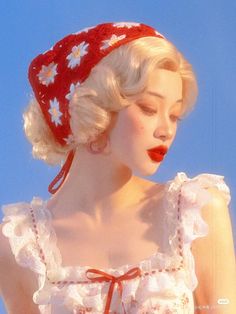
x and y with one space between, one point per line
215 260
16 298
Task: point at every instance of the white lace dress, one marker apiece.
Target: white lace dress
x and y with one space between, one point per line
162 283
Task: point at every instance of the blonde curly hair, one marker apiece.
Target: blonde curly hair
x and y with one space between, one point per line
117 78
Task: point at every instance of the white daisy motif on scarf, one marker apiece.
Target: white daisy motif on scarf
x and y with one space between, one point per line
72 90
113 40
69 140
126 24
55 111
77 53
47 74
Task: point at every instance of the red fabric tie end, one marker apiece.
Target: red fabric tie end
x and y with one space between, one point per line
62 174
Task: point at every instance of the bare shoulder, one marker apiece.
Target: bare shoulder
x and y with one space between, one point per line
214 282
16 282
217 216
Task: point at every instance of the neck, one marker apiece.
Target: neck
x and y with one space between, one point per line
96 184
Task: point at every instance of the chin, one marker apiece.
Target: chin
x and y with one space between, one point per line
146 171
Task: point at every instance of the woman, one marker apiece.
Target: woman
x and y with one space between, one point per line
107 102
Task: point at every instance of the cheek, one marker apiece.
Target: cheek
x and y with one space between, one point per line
130 131
134 124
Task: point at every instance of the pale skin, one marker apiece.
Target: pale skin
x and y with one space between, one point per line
104 200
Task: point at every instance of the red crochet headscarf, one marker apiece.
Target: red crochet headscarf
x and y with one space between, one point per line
56 73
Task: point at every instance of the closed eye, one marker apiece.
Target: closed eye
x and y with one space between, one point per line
148 110
176 118
152 112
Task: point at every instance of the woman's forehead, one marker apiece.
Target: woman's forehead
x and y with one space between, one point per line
157 95
164 85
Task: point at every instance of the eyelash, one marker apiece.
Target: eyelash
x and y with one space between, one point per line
152 112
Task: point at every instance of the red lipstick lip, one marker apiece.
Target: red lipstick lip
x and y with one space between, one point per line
159 149
157 153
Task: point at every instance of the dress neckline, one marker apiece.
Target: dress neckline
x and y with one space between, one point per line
52 256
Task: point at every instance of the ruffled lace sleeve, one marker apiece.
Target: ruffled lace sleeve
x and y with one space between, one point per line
194 197
187 196
18 229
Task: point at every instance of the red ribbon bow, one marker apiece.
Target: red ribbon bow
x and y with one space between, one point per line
132 273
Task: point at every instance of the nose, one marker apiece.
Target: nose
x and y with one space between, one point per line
165 130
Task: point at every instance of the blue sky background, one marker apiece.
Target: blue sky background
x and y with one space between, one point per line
204 31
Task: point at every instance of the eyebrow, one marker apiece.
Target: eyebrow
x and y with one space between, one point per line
161 96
